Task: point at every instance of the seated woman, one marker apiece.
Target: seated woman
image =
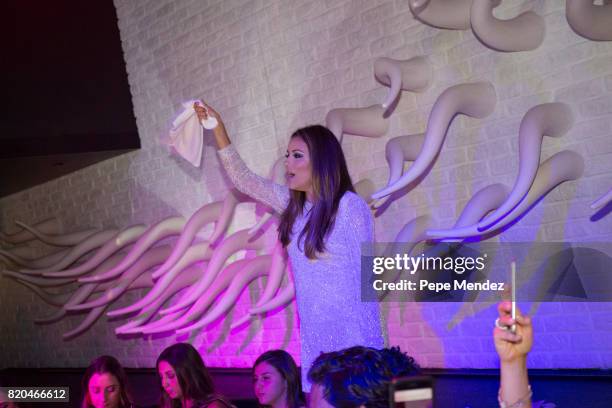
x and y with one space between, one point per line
276 381
105 385
185 381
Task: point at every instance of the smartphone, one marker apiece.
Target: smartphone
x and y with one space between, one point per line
411 392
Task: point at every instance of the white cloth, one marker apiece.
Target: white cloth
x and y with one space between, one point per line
186 135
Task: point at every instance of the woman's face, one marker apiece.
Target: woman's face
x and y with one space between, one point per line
297 165
270 386
104 391
169 380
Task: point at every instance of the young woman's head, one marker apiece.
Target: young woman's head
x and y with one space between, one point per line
317 172
105 384
183 375
276 380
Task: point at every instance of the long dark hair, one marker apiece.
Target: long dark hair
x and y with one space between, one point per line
285 365
330 180
106 365
193 376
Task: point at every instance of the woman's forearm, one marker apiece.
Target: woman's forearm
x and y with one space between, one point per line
515 383
221 136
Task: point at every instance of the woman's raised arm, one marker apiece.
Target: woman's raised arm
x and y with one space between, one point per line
261 189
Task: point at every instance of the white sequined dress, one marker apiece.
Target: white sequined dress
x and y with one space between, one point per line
332 315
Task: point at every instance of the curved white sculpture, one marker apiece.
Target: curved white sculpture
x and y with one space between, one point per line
44 261
484 201
414 74
590 20
563 166
69 239
473 99
255 268
112 270
185 279
225 217
176 320
154 257
398 150
367 122
163 229
278 270
524 32
95 313
284 296
92 242
120 240
203 216
50 226
449 14
548 119
82 293
236 242
35 280
195 253
603 200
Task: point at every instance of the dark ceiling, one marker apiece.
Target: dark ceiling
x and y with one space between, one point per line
65 99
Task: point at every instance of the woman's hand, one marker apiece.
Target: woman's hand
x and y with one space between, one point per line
204 111
512 347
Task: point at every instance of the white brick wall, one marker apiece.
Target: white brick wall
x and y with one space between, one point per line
272 66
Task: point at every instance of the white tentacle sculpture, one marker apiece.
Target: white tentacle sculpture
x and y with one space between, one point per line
590 20
368 122
397 151
195 253
89 244
603 200
69 239
202 217
234 243
484 201
220 212
473 99
44 261
561 167
95 313
108 272
185 279
524 32
165 228
83 292
284 296
278 270
255 268
548 119
449 14
414 74
176 320
35 280
119 241
153 257
49 226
